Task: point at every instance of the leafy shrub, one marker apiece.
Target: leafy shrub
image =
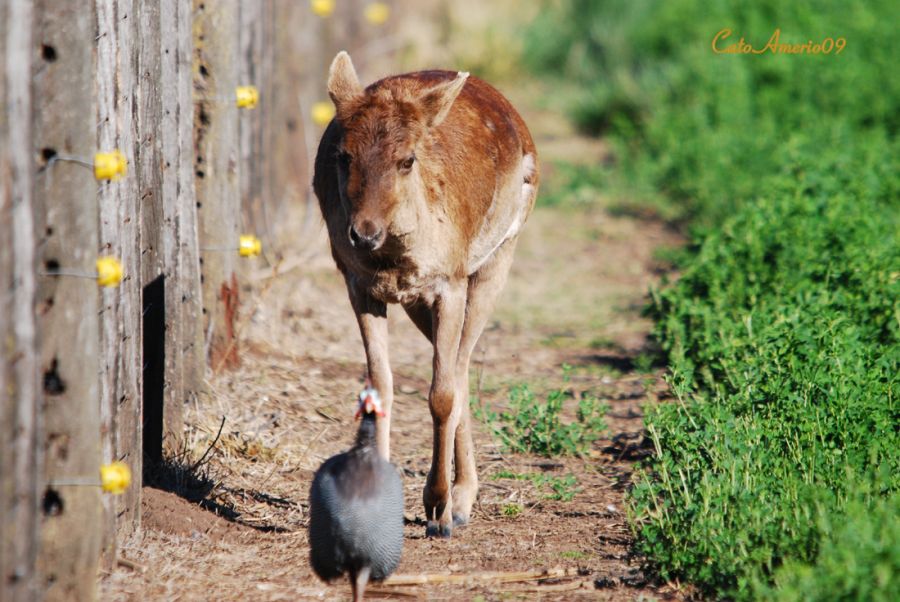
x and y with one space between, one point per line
784 343
697 130
778 468
859 559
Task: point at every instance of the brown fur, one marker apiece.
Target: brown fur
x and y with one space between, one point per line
424 181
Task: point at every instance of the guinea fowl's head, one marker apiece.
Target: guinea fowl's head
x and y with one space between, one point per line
369 403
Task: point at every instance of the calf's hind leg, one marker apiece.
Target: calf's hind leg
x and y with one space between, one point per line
484 288
445 404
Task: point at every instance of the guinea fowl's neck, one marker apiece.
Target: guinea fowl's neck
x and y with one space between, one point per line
365 436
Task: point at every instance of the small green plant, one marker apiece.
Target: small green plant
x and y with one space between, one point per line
535 426
643 363
563 489
573 555
512 510
601 343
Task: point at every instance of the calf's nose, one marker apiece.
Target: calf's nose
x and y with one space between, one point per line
367 237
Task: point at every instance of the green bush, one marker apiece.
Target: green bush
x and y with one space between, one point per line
699 130
783 336
778 467
858 560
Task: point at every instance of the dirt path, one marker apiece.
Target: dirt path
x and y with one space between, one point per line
573 297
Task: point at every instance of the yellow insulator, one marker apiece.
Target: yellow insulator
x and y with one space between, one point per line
109 271
249 246
322 8
322 113
110 166
246 97
377 13
115 478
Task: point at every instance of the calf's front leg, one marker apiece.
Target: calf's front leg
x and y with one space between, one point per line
448 315
371 315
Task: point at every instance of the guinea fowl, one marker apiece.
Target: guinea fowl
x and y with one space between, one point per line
356 509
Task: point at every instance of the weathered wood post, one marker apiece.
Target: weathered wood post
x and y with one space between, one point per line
120 310
275 178
66 227
254 36
150 172
21 470
216 163
185 361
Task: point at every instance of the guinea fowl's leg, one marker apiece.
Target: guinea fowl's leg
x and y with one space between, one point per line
371 315
484 288
358 582
445 404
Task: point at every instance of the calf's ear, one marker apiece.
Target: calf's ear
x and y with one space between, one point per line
343 83
436 101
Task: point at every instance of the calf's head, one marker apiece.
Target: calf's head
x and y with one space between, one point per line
387 157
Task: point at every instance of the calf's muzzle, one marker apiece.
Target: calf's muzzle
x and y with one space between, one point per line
367 236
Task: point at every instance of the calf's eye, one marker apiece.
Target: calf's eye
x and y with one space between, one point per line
407 163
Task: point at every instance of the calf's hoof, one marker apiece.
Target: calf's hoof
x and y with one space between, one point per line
460 520
435 529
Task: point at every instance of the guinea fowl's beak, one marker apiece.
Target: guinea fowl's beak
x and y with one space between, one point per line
369 407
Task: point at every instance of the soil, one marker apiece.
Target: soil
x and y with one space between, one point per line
238 530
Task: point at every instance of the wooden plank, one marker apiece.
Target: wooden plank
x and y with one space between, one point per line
149 170
20 397
185 363
289 176
275 170
129 392
65 194
147 161
120 340
216 171
107 200
253 69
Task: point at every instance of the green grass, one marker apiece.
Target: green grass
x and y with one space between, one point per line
533 425
777 470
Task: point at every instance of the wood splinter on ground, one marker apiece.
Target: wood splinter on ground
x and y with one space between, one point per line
483 577
130 564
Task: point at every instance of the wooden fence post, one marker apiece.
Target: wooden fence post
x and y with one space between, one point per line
66 226
120 341
275 175
20 396
216 170
254 37
184 350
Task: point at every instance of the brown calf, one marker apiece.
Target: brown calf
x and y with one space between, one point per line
424 181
